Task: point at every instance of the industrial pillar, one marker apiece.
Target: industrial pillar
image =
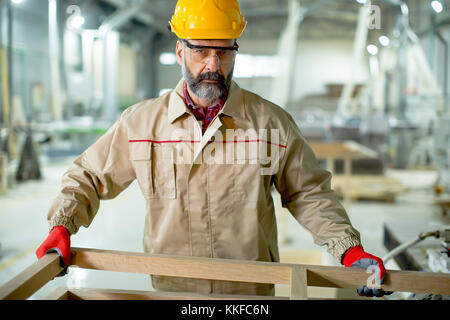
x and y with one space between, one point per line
111 43
287 51
358 53
55 57
110 61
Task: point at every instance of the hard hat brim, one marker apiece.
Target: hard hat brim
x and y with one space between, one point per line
209 34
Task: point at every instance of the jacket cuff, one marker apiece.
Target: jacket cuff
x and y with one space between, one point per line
61 220
342 245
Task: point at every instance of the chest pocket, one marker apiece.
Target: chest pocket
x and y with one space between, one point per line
248 165
255 163
155 169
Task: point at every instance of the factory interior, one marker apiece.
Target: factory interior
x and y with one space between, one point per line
365 81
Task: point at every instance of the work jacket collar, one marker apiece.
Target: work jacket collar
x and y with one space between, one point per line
233 107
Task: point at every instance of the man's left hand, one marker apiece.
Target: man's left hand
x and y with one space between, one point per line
356 257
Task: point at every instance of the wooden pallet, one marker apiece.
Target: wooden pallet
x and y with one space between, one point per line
346 151
298 276
369 187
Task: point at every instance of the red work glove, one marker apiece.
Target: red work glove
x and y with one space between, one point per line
356 257
57 241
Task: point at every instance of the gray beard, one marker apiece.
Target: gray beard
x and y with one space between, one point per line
211 92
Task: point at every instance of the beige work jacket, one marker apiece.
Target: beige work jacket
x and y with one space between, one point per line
208 195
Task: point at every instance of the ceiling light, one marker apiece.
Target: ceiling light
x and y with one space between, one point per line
361 1
372 49
384 41
17 1
437 6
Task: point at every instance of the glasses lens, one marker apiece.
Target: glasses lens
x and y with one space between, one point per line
204 54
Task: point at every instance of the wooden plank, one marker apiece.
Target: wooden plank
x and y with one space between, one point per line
31 279
341 149
45 269
400 281
177 266
111 294
377 187
254 271
442 202
299 283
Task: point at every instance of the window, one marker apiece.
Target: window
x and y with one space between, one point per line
248 66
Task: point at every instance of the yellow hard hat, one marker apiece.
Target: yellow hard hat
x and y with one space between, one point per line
208 19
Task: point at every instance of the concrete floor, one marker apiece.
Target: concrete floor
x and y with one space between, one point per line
23 227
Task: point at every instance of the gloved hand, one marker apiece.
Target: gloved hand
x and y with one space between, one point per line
356 257
57 241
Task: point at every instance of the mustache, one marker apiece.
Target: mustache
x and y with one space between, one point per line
215 76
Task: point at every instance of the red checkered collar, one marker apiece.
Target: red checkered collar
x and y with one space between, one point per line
191 104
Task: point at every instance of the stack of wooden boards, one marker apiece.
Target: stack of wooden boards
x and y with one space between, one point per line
355 187
369 187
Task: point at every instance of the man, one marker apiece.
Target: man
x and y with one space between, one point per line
206 156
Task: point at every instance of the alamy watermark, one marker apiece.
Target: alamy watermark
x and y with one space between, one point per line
373 281
236 147
374 18
75 19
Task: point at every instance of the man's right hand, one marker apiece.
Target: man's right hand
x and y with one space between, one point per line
57 241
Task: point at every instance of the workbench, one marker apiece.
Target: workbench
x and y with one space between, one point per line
342 150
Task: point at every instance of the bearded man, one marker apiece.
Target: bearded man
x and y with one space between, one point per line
214 209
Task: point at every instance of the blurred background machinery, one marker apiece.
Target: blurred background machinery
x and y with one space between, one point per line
70 67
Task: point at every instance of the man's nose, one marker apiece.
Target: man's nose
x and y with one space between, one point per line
213 62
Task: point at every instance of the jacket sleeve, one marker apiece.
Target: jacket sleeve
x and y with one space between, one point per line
101 172
306 192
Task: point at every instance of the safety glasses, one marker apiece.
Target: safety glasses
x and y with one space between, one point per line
203 53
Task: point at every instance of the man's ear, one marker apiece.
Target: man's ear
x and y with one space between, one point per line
179 52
